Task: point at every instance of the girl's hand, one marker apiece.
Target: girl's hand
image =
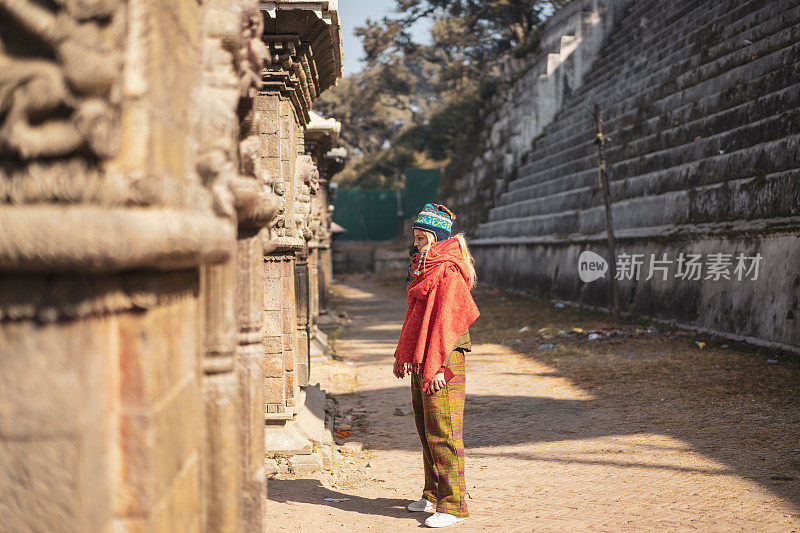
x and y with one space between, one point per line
438 382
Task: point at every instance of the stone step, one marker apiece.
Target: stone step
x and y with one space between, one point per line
781 124
763 37
286 439
783 104
686 59
569 129
640 186
777 126
724 228
778 59
661 94
646 56
636 35
661 179
766 86
558 185
574 198
664 47
301 444
694 192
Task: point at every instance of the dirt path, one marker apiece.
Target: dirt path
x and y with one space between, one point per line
555 441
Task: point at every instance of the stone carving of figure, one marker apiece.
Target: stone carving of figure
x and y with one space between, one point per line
84 36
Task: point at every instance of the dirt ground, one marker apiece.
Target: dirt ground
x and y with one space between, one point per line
644 428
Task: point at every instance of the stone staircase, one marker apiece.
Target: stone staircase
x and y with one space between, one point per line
701 108
533 90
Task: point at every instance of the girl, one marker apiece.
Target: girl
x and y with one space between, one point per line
431 348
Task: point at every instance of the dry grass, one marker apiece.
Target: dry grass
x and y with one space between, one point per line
668 359
727 395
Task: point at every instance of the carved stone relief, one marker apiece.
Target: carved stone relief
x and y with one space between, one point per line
64 98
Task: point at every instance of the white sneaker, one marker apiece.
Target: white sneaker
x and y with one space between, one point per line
442 520
422 505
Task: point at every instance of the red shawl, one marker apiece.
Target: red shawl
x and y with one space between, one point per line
440 309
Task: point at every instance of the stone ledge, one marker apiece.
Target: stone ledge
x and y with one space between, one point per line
319 344
671 232
304 444
311 418
93 239
286 440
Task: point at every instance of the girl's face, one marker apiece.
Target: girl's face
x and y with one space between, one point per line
420 240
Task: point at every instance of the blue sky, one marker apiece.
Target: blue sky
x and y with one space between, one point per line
353 13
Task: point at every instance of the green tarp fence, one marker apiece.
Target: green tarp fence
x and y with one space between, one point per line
367 215
371 214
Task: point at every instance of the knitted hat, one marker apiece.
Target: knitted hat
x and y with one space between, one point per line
436 219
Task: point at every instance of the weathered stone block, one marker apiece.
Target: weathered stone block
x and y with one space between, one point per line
222 469
272 165
251 434
291 385
288 355
271 142
134 470
306 464
273 345
219 313
288 284
39 485
273 295
273 390
176 432
273 365
288 320
250 283
273 323
183 503
157 351
40 382
272 269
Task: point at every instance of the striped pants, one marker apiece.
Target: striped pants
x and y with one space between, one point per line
440 421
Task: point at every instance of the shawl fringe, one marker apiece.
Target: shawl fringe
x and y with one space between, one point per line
416 368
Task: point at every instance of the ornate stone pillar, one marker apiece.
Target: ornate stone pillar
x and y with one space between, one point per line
305 59
301 291
232 57
106 344
321 136
273 332
281 139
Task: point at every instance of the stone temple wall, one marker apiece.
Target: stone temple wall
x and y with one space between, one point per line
152 167
700 108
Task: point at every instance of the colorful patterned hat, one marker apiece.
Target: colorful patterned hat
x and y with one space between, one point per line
436 219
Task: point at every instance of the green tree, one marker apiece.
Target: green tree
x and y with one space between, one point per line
420 104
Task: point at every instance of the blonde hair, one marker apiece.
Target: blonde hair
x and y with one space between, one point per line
462 244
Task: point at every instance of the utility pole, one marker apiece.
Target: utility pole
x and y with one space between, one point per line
603 178
400 214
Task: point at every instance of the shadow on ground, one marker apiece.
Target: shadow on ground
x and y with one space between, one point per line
725 404
313 492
